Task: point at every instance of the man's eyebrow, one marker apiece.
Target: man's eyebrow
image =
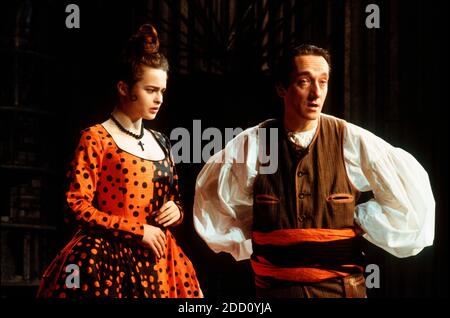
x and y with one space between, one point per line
309 73
303 73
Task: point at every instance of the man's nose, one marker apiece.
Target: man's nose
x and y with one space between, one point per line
315 91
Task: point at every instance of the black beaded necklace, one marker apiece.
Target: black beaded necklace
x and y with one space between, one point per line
136 136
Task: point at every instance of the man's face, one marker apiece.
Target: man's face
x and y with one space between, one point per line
307 90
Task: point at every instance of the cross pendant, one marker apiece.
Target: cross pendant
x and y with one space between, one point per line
141 144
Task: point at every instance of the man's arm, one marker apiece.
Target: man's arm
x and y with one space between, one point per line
400 218
223 203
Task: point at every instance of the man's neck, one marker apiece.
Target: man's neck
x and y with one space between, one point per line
301 125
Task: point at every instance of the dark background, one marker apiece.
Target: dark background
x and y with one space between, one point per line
391 81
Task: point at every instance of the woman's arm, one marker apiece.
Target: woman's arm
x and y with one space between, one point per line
84 174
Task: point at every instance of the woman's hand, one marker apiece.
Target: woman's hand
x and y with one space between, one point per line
168 214
154 238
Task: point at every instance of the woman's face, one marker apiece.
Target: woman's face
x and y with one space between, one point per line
146 95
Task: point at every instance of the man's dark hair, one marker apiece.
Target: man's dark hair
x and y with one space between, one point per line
286 63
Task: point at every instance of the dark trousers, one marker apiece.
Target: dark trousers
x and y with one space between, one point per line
352 286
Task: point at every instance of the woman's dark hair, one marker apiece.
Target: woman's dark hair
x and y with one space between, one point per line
142 49
286 63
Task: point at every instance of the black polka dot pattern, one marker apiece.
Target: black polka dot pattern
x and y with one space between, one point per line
112 194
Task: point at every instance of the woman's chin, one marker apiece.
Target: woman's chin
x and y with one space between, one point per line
149 117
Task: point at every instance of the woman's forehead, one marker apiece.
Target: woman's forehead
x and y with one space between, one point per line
153 75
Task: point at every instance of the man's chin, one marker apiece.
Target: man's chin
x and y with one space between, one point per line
314 116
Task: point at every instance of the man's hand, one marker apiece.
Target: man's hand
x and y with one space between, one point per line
155 239
168 214
358 229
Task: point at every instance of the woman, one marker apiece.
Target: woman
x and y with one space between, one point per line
124 193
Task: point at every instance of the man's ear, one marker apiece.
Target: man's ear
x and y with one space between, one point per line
122 88
281 91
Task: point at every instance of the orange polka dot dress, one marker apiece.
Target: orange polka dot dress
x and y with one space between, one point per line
112 194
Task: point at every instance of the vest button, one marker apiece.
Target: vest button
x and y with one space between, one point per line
301 196
300 174
302 217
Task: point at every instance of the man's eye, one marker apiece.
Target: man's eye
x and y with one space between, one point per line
303 82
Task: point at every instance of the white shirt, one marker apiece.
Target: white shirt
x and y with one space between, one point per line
400 218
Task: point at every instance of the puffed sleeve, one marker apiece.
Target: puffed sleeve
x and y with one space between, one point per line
223 204
84 176
400 218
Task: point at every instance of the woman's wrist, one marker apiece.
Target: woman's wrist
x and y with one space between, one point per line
180 220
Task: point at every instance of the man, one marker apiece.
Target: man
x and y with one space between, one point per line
301 225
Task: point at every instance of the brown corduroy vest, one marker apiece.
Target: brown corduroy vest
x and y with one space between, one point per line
310 188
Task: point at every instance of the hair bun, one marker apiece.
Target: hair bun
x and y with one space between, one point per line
142 48
148 37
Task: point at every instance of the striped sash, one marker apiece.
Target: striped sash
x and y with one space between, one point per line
304 255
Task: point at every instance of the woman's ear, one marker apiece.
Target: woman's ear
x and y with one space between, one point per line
281 91
122 88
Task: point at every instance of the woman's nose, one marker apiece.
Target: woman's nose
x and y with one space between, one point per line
158 98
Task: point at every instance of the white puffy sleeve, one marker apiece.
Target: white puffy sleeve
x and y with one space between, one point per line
223 203
400 218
